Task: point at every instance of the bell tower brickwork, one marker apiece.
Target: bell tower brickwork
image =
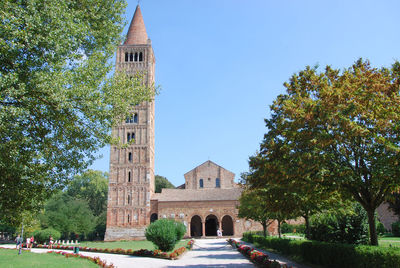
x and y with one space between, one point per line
131 182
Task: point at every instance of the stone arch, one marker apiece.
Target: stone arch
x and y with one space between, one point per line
211 225
227 225
196 228
153 217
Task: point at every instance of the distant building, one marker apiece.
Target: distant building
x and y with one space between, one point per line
207 201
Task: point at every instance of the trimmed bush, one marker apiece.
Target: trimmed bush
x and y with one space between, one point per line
180 229
293 228
350 227
380 228
396 228
332 254
165 233
42 236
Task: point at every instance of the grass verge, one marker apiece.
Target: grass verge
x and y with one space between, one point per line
9 258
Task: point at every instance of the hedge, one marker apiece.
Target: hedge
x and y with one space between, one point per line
331 254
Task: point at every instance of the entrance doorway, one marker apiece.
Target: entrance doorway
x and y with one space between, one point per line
211 225
153 217
227 225
196 229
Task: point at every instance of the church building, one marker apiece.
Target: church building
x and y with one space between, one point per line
207 200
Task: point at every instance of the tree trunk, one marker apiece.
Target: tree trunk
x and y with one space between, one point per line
279 229
264 225
307 223
372 230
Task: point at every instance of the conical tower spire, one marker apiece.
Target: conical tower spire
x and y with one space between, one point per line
137 34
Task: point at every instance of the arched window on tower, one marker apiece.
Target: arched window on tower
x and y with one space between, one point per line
217 183
201 183
135 118
128 138
140 56
133 137
129 218
129 176
131 57
136 56
129 198
126 56
130 157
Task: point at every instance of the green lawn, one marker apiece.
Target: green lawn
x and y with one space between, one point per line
10 258
387 241
134 245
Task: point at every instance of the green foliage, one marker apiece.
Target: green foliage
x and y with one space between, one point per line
58 100
161 183
396 228
43 236
293 228
348 227
335 135
92 186
332 255
180 229
165 233
68 216
380 228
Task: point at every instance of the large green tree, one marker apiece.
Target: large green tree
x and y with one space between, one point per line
68 216
161 183
57 100
92 186
346 124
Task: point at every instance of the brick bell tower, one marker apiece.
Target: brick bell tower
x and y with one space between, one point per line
131 181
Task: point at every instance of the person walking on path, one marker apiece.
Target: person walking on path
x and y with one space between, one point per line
50 242
219 233
32 239
18 241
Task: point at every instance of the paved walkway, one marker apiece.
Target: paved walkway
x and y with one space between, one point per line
215 253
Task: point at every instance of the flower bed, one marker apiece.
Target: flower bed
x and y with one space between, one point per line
255 256
140 253
96 260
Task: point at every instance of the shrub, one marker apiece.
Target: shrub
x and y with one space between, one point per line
165 233
180 230
380 228
292 228
42 236
349 227
333 254
396 228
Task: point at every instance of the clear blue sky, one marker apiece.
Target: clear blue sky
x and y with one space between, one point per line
221 63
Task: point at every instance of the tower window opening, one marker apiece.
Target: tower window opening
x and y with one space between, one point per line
131 57
129 218
217 183
135 118
130 157
129 176
201 183
140 56
136 56
133 136
128 138
129 198
126 56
